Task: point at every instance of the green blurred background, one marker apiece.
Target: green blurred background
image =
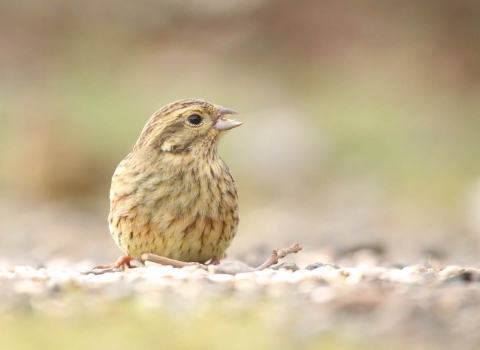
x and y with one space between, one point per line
361 119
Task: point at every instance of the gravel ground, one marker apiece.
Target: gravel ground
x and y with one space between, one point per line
429 307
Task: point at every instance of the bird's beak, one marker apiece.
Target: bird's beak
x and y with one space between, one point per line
222 123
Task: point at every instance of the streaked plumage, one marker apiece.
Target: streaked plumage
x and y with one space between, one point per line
173 195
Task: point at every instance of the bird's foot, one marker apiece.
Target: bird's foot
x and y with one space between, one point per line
279 254
214 261
122 263
167 261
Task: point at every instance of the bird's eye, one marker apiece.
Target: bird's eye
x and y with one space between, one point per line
195 119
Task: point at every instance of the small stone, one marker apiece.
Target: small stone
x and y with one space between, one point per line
286 266
467 275
450 271
418 268
314 266
320 265
230 268
334 266
98 271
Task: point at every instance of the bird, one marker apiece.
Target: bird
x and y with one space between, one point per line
172 195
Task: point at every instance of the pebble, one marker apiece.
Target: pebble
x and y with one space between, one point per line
230 267
314 266
286 266
416 297
318 281
450 271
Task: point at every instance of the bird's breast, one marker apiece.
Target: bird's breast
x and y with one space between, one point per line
154 210
179 188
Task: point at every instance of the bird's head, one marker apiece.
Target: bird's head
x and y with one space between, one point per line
186 125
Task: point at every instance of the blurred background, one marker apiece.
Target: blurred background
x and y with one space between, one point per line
361 120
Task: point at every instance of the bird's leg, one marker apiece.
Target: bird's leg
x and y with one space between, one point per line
167 261
214 261
124 261
121 263
279 254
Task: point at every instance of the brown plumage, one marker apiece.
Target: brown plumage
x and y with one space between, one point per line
173 195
